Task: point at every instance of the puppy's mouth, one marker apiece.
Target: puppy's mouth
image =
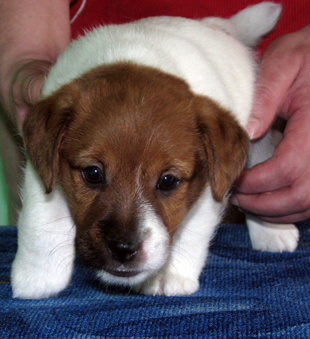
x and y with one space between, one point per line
123 273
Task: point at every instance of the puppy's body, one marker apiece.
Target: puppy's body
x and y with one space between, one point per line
141 126
194 51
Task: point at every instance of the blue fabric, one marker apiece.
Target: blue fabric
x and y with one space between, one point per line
243 294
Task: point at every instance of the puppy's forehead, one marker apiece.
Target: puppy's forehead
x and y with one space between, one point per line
127 109
127 91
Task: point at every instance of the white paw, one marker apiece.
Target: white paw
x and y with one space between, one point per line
37 282
168 284
273 237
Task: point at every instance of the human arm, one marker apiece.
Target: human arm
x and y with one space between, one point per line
278 190
33 34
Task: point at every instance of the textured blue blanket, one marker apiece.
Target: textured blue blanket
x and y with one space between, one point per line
243 294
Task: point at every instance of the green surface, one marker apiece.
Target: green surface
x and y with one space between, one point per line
4 215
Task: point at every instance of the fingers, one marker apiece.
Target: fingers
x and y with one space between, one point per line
276 73
289 203
286 205
279 187
278 204
277 190
289 162
275 213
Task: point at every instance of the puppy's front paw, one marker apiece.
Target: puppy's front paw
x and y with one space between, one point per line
168 284
273 237
37 282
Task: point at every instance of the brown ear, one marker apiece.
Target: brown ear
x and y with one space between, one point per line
226 144
43 130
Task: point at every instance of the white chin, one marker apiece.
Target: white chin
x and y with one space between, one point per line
123 281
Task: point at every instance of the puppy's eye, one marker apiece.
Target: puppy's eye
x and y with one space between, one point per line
167 182
93 176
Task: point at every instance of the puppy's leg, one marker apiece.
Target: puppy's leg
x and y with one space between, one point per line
266 236
44 261
180 276
272 237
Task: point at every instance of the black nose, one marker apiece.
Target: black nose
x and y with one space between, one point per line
123 251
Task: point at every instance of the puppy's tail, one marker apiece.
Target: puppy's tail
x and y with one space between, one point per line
250 24
254 22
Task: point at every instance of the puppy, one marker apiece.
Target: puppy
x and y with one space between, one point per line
134 147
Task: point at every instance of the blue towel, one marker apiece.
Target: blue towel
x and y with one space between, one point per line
244 294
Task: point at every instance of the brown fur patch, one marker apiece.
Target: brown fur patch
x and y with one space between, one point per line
226 145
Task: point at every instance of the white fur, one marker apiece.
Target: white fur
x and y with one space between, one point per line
155 248
44 261
272 237
157 42
188 255
211 57
250 31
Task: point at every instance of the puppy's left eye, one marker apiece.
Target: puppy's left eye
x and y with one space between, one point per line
167 182
93 176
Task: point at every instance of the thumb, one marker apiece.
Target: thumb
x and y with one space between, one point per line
276 73
26 87
28 81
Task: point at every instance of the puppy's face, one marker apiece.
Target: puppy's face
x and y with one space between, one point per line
133 149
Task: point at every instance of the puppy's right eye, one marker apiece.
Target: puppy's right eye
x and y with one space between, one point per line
167 182
93 176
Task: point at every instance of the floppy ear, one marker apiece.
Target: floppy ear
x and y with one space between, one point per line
226 144
43 130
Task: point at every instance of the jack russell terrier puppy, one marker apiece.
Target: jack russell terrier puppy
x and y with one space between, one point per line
134 147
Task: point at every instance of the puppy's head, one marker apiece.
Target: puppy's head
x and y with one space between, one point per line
133 149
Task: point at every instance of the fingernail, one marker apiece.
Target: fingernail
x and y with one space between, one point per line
234 201
253 127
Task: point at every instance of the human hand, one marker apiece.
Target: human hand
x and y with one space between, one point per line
24 90
33 35
278 190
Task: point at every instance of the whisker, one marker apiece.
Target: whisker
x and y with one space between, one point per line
60 246
70 259
53 221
